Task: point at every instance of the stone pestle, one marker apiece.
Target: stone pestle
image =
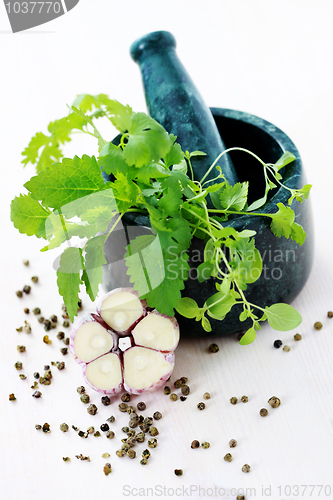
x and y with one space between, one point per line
173 100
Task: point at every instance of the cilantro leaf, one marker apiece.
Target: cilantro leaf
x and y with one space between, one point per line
94 260
234 197
283 225
175 155
87 102
119 114
28 216
125 192
71 264
112 160
297 233
66 181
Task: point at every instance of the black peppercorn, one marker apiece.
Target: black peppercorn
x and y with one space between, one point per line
277 344
141 406
104 427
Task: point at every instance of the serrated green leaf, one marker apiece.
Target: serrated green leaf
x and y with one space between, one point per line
94 260
125 192
175 154
297 233
248 337
28 216
66 181
58 230
71 265
119 114
112 160
234 197
187 307
282 221
283 317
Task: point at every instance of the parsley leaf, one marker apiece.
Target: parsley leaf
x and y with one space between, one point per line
28 216
71 264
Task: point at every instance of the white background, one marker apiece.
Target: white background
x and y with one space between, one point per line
269 58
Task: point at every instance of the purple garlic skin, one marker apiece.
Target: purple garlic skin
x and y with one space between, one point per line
123 323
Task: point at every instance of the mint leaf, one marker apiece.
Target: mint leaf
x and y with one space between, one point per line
58 230
80 206
234 197
187 307
71 264
283 317
147 141
66 181
28 216
248 337
94 260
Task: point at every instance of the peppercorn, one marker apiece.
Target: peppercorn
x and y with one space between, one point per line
85 398
330 314
81 389
146 453
286 348
125 429
26 262
19 293
21 348
157 415
36 311
81 457
120 453
134 422
213 348
66 341
104 427
91 430
178 472
152 443
185 390
131 441
60 335
123 407
26 310
195 444
130 409
233 400
277 344
34 385
232 443
205 445
126 397
143 461
263 412
34 279
12 397
144 427
23 377
110 434
318 325
140 437
20 329
111 419
27 289
240 497
27 327
46 428
297 336
61 365
107 469
37 394
64 351
83 434
182 398
18 365
206 395
41 319
38 427
228 457
148 421
48 373
97 434
53 325
201 406
125 446
141 406
105 400
173 397
184 380
246 468
244 399
65 323
153 431
46 340
75 428
274 402
131 432
92 409
167 390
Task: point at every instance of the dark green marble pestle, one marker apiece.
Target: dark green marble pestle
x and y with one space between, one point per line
173 100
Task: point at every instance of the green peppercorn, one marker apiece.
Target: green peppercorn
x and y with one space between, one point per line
130 409
27 327
12 397
123 407
65 324
184 380
22 377
144 427
146 453
34 279
46 340
330 314
97 434
134 422
131 441
66 459
297 336
38 427
85 398
141 406
173 397
130 432
60 335
201 406
110 434
66 341
152 443
232 443
92 409
213 348
120 453
81 457
37 394
26 262
20 329
26 310
75 428
46 428
178 472
246 468
125 447
228 457
263 412
61 365
41 319
48 375
18 365
195 444
240 497
34 385
21 348
153 431
274 402
148 421
19 293
126 397
206 395
185 390
36 311
81 389
167 390
318 325
105 400
233 400
111 419
286 348
83 434
157 415
205 445
125 429
140 437
178 383
107 469
143 461
91 430
27 289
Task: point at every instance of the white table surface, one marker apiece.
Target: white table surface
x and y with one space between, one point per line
269 58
